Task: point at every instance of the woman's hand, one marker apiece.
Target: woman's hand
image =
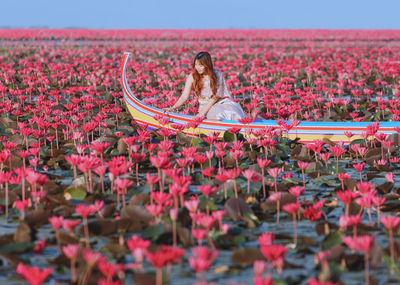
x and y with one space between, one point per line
199 117
169 109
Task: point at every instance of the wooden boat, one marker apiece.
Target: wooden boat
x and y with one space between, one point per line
306 131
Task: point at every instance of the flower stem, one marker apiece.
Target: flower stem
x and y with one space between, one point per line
159 276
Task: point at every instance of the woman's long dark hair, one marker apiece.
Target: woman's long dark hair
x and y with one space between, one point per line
205 59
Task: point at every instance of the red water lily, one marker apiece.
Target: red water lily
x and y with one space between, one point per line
275 254
84 211
391 223
62 108
364 244
33 275
163 256
293 208
71 252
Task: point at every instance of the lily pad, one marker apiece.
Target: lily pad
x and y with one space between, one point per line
153 232
334 238
229 137
17 247
75 194
237 208
246 256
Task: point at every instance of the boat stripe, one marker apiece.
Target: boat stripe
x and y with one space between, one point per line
328 129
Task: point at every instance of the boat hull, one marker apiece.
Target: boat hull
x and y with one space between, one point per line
306 131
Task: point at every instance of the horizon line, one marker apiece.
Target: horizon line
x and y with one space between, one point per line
157 29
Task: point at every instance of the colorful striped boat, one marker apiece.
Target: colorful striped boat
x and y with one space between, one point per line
306 131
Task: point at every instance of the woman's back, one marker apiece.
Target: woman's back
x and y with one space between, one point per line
222 90
219 106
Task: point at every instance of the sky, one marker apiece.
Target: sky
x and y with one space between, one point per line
201 14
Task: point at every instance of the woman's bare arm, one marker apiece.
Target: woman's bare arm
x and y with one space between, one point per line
185 94
207 107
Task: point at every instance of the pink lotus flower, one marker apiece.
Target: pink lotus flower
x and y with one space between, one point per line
364 244
391 223
33 275
165 255
274 172
293 208
275 254
138 248
389 177
297 191
202 258
266 239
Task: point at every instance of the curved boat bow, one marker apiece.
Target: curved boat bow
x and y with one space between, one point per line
306 131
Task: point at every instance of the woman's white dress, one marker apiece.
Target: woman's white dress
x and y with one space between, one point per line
225 108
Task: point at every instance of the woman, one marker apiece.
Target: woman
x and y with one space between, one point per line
208 83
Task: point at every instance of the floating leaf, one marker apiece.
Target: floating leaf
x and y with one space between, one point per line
246 256
229 137
196 141
143 279
332 239
17 247
253 218
215 234
391 265
136 212
212 205
153 232
240 239
23 233
99 227
291 180
236 208
244 166
75 194
328 180
358 141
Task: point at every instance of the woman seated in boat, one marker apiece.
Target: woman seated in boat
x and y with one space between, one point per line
215 101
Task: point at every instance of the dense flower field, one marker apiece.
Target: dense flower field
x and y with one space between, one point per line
89 196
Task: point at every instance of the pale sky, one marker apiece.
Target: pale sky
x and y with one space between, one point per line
202 14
